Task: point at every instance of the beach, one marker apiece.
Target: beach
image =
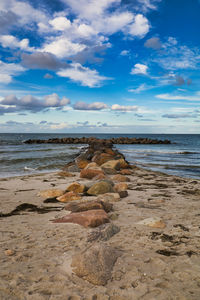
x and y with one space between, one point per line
157 258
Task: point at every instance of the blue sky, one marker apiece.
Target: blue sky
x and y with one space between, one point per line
118 66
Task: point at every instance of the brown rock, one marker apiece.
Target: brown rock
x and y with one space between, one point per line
100 177
9 252
93 166
52 193
69 196
90 173
125 172
121 186
155 222
102 158
109 171
65 174
76 187
123 164
95 264
103 232
89 218
82 163
100 187
120 178
111 164
123 194
109 197
88 205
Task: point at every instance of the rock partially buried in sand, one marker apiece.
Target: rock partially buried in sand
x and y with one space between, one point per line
155 222
109 197
126 172
90 218
100 187
9 252
76 187
103 232
93 166
69 196
89 205
120 178
95 264
52 193
90 173
65 174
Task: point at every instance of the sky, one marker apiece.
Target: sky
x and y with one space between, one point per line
91 66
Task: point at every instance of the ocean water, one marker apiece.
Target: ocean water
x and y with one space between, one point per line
181 158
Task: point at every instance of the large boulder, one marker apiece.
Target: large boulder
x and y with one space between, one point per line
100 187
102 158
120 178
93 166
103 232
89 218
109 197
81 163
121 186
123 164
90 173
89 205
95 264
69 196
126 172
76 187
52 193
111 164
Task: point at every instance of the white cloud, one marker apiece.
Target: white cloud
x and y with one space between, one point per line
92 106
139 69
175 56
10 41
140 27
7 71
124 108
60 23
124 52
84 75
62 47
140 88
53 100
59 126
178 97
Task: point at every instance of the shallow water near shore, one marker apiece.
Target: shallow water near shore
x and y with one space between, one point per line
181 158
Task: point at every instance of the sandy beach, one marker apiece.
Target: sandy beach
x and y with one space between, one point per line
158 262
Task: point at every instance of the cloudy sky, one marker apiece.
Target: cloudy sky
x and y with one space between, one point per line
121 66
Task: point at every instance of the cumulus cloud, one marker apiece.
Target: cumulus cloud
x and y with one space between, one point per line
124 108
10 41
83 75
31 103
42 60
7 20
124 52
153 43
8 71
139 69
140 27
91 106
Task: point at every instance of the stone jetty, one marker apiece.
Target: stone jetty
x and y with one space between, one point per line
85 140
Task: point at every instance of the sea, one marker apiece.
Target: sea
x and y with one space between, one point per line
181 157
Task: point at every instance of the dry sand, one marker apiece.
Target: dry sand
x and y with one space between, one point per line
154 264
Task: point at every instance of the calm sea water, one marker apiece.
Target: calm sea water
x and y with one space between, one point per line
181 158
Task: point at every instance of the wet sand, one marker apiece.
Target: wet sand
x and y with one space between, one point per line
155 263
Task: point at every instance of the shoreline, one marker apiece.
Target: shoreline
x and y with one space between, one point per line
154 262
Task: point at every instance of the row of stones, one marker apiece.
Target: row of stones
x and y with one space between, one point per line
84 140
